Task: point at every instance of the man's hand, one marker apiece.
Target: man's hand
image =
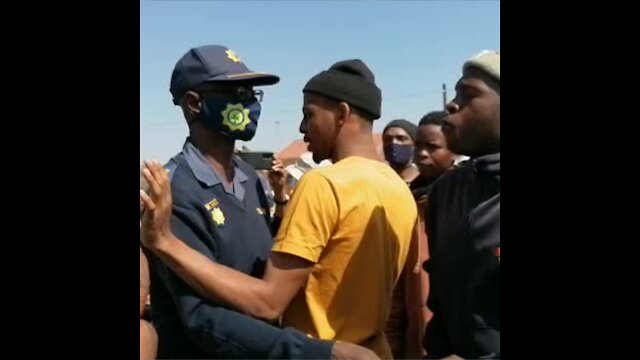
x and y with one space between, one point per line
278 180
453 357
347 351
157 206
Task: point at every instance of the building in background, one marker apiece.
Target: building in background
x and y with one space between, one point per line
293 152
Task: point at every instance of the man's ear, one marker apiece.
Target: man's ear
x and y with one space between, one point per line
191 103
343 113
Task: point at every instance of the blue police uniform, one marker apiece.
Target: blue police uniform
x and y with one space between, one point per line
229 224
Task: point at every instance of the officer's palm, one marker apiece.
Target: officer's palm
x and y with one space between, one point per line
157 206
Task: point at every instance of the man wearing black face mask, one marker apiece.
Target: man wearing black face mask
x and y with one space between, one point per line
398 139
220 210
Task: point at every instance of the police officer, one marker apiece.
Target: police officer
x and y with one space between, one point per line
220 210
463 222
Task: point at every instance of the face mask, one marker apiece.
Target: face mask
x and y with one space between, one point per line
398 155
237 119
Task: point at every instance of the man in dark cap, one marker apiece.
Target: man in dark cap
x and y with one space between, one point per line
220 212
463 222
344 237
398 140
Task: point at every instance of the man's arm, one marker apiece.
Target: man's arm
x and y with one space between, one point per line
229 334
218 330
225 333
264 298
285 273
412 283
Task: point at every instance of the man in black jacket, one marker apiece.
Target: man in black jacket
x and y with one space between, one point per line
463 223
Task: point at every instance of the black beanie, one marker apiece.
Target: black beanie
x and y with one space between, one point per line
350 81
410 128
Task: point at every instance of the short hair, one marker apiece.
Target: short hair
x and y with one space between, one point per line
433 118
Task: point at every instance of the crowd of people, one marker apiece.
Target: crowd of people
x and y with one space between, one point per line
361 258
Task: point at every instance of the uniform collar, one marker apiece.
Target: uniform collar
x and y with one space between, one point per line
207 175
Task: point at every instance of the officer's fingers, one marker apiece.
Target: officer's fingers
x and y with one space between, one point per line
152 165
161 174
165 184
154 187
149 205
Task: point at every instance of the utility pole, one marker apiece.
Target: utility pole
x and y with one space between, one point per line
444 96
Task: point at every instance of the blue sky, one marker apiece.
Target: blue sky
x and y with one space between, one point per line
412 47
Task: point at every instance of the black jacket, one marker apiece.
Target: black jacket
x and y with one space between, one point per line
463 229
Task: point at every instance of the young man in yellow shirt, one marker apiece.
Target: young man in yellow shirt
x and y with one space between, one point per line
345 235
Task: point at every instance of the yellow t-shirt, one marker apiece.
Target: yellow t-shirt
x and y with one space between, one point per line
354 220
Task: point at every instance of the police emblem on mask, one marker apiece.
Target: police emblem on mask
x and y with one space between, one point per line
216 214
235 117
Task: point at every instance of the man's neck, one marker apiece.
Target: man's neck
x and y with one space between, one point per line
492 147
360 144
217 151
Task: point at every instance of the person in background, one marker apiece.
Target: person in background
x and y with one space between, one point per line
398 139
432 156
409 314
304 164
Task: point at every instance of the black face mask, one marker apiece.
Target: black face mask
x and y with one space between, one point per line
398 155
235 118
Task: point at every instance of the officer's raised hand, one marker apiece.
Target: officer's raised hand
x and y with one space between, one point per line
157 206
